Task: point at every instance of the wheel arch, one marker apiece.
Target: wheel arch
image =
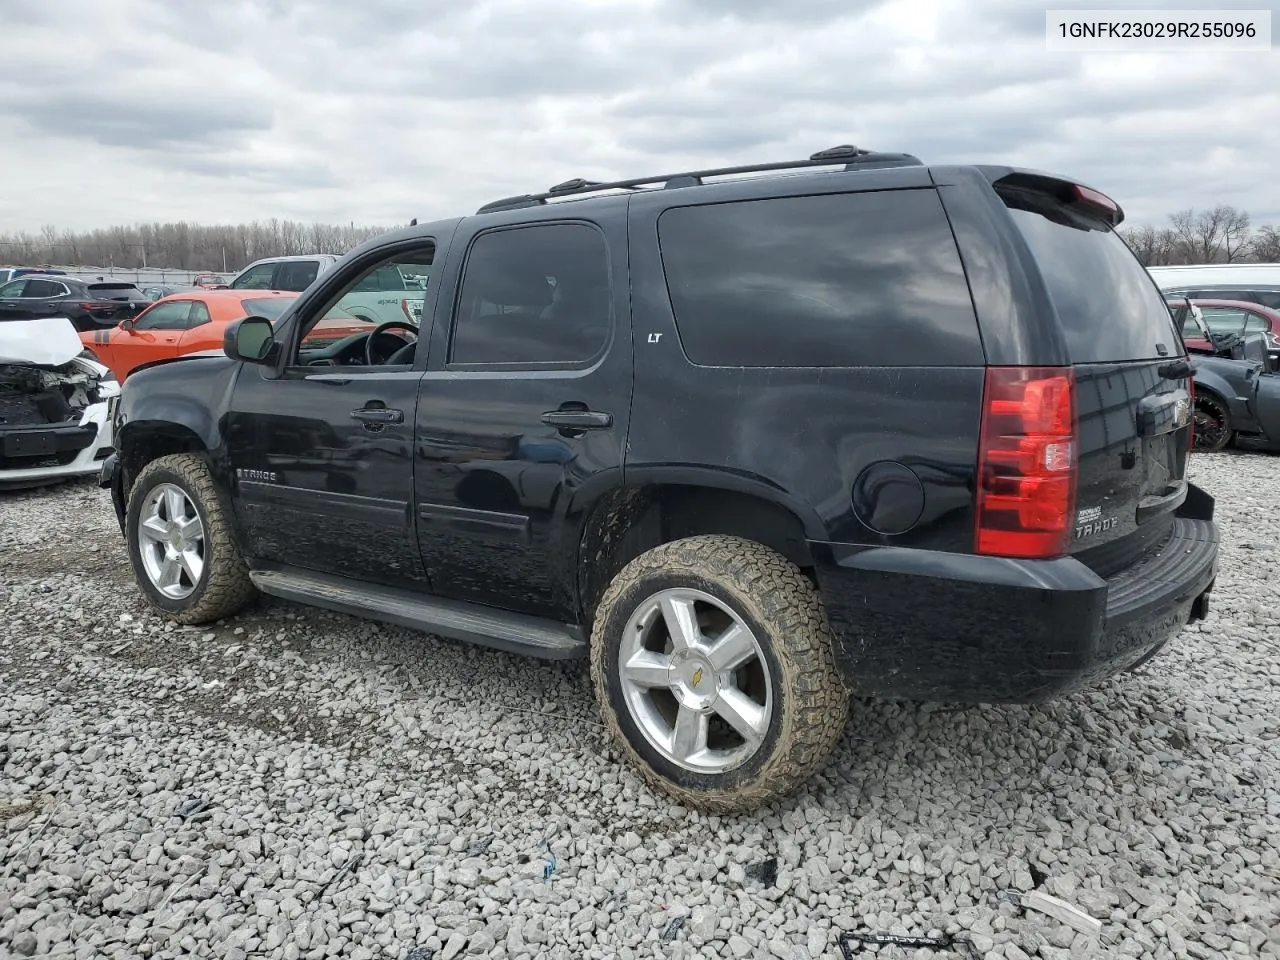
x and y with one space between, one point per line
626 521
140 441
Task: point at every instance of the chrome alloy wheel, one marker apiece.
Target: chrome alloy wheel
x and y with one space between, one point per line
695 681
171 541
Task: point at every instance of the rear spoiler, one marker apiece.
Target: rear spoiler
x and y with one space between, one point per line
1067 192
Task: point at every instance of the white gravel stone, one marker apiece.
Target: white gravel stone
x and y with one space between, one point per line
367 790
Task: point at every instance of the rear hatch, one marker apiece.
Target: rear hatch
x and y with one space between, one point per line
1133 403
117 299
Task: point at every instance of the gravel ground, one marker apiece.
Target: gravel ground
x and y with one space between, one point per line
297 784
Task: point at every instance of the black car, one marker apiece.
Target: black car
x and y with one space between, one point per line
749 442
87 304
1237 391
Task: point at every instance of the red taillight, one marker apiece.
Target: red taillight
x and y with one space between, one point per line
1027 462
407 307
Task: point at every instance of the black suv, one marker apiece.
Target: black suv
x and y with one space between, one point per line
87 304
751 442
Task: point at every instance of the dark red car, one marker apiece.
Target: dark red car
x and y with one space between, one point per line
1228 317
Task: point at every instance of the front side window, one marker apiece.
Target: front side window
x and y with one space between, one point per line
170 315
12 291
330 336
256 278
534 295
855 279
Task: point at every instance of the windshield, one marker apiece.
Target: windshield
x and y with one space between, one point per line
270 307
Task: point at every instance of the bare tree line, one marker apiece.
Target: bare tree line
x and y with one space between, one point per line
180 246
1221 234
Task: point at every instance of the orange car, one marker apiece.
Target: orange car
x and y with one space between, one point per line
190 322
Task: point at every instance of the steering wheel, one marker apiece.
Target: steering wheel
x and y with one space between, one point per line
383 328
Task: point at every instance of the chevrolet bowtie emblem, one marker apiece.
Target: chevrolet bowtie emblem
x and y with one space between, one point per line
697 676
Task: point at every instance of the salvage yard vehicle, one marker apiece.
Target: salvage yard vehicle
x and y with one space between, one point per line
55 416
1251 282
195 321
1237 390
383 295
88 305
752 440
1219 319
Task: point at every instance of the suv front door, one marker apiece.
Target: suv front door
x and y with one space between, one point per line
321 444
524 408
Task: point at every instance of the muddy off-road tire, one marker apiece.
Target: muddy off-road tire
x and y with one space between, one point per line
184 556
736 711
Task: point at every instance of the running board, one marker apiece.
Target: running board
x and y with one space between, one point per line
471 622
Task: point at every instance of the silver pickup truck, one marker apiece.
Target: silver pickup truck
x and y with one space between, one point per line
384 295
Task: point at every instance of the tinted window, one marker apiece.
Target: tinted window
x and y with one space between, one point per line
296 275
1107 303
269 307
11 291
255 278
171 315
861 279
44 288
536 294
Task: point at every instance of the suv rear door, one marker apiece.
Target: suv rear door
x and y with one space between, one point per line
525 405
1132 407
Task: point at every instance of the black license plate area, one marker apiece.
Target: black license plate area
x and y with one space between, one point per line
31 443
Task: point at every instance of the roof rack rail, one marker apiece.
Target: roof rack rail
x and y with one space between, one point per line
852 157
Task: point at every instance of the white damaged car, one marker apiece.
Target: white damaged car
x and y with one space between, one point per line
56 404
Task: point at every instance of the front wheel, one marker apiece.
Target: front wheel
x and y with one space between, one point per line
183 553
713 668
1213 430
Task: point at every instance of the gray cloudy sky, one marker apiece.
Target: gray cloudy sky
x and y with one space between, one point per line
381 110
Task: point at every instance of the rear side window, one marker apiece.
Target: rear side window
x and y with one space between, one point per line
1109 306
271 307
44 288
534 295
296 275
843 280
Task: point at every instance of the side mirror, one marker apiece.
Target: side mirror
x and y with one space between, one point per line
251 340
127 325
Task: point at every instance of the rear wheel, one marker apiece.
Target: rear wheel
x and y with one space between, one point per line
713 669
1213 430
181 547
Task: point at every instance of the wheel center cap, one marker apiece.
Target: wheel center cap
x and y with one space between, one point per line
696 682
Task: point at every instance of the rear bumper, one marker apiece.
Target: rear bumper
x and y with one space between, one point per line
924 625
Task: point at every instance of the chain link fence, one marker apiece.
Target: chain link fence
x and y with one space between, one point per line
144 276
